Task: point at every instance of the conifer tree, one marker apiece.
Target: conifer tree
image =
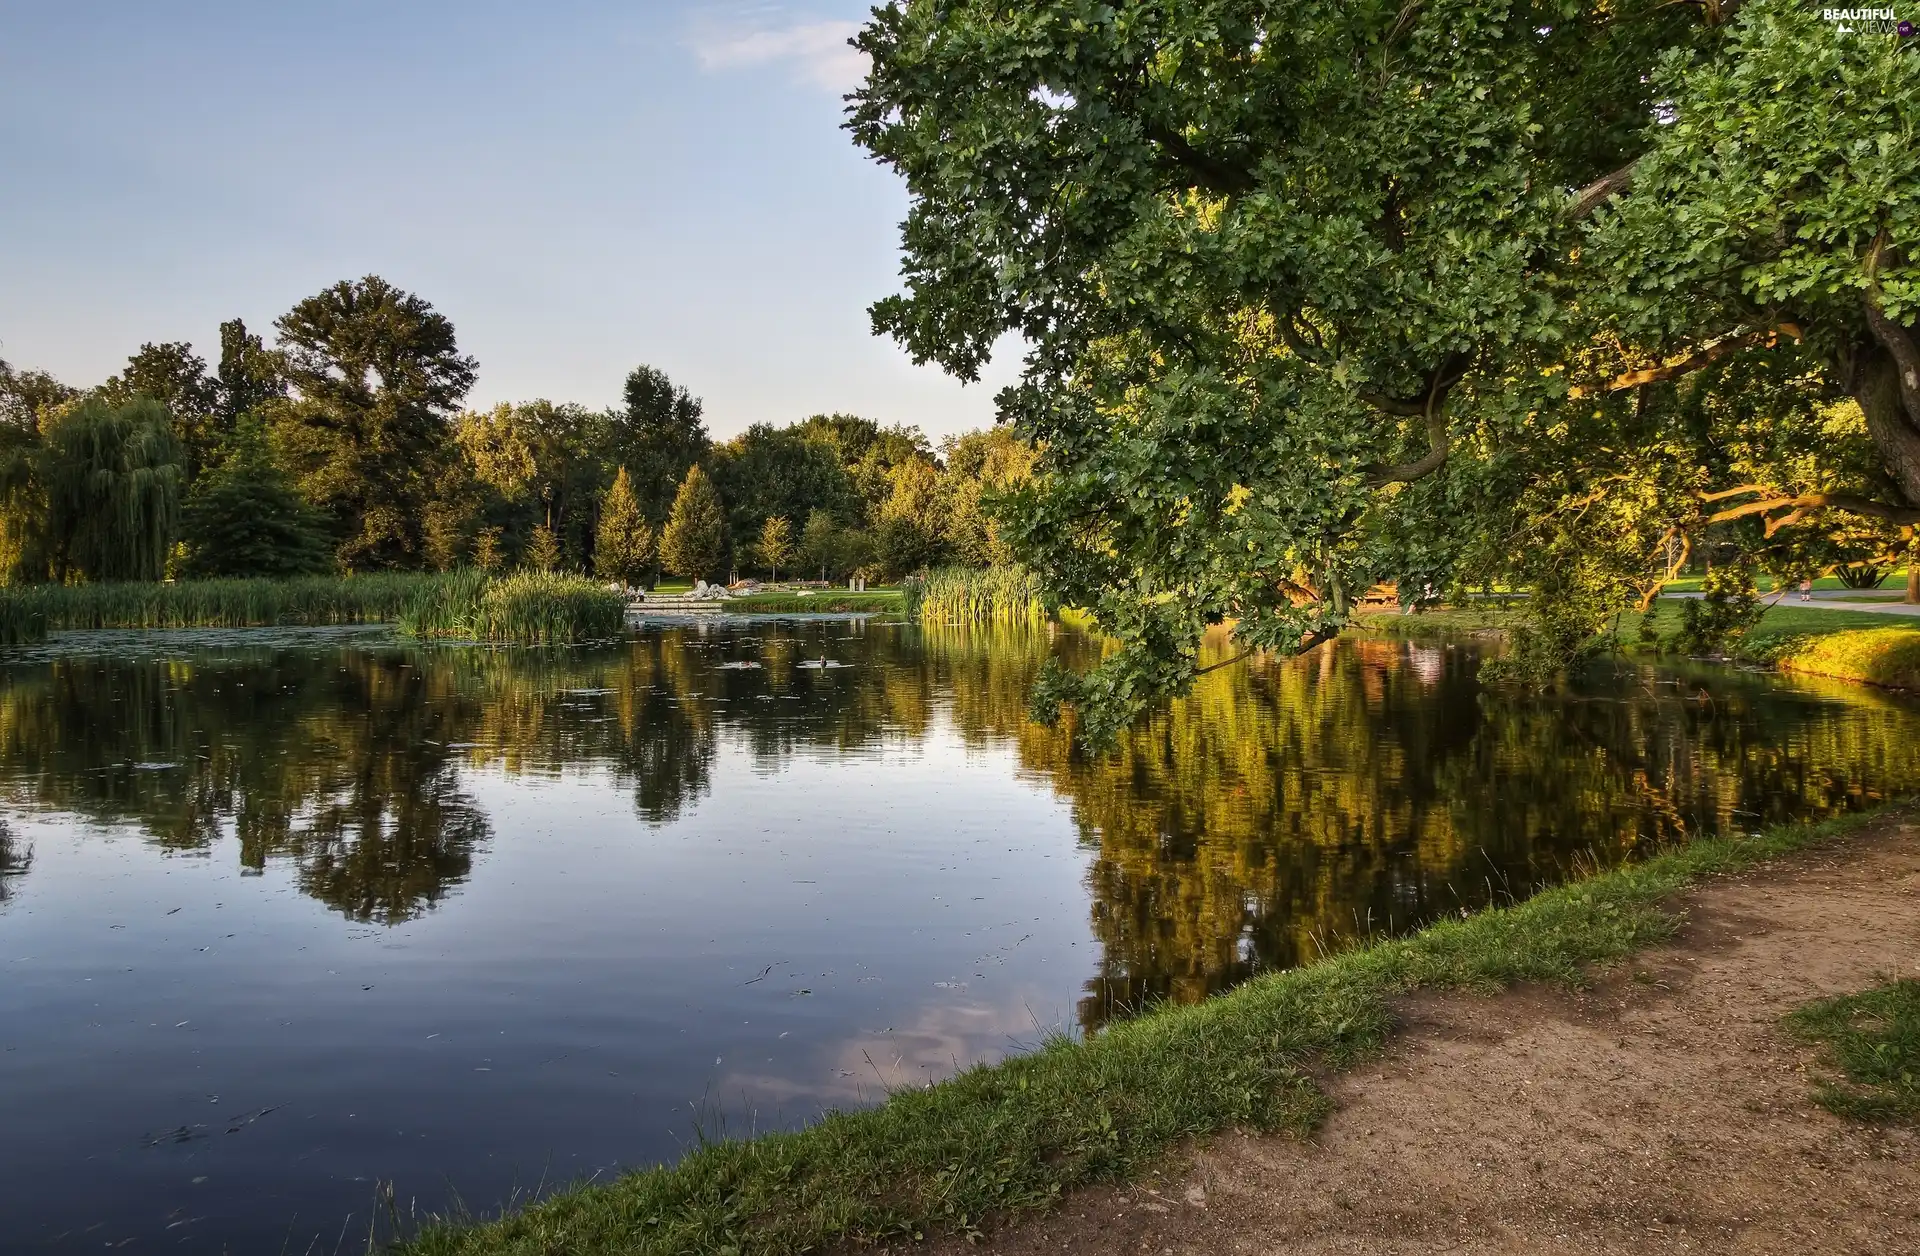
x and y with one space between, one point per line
624 548
543 551
696 531
486 550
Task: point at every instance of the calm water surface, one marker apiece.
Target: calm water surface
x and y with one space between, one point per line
285 916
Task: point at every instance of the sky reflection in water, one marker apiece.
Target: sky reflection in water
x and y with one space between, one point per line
285 915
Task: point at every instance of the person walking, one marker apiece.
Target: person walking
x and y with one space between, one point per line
1806 589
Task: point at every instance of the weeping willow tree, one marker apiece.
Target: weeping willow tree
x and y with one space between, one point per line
96 497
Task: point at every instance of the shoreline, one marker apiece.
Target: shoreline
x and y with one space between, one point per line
1674 1103
1008 1140
1846 643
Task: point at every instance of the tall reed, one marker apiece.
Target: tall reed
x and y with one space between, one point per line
997 595
527 608
29 612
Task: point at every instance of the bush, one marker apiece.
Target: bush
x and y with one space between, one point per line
1728 607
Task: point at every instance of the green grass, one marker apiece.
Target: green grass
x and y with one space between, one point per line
1444 621
29 612
1010 1137
999 595
1873 1040
1889 657
1895 583
826 601
1784 627
1785 634
526 608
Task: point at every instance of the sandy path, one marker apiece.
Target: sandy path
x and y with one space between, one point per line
1659 1111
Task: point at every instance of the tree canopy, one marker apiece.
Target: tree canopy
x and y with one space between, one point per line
1321 295
244 518
770 471
376 375
656 436
111 477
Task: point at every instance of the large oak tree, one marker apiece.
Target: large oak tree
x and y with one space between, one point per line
1314 293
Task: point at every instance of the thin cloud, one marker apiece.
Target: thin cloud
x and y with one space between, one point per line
815 52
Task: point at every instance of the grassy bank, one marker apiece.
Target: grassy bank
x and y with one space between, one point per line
1889 657
1013 1136
29 612
830 602
1872 1041
527 608
1444 621
1845 645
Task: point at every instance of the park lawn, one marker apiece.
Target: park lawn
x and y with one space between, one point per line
1884 656
1444 621
1895 583
822 602
1782 621
1859 646
1014 1136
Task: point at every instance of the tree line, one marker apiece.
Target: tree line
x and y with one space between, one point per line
344 446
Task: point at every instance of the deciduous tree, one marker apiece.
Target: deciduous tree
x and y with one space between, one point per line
776 543
656 436
1315 294
176 377
376 374
113 477
768 471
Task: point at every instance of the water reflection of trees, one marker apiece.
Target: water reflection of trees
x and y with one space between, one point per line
1286 806
345 762
1280 808
334 761
15 858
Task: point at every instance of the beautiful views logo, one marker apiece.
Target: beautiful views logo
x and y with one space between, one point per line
1869 22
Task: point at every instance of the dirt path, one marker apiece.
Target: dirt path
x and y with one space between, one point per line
1659 1111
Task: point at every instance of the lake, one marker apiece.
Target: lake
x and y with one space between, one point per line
291 919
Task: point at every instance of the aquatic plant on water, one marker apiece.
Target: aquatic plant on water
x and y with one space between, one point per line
993 595
526 608
29 612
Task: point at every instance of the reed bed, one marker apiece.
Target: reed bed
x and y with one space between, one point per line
29 612
527 608
997 595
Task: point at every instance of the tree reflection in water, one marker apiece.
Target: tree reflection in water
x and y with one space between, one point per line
15 858
1286 807
1278 810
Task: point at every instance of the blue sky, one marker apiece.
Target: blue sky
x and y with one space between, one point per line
581 185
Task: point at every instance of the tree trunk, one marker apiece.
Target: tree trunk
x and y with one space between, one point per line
1876 386
1913 572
